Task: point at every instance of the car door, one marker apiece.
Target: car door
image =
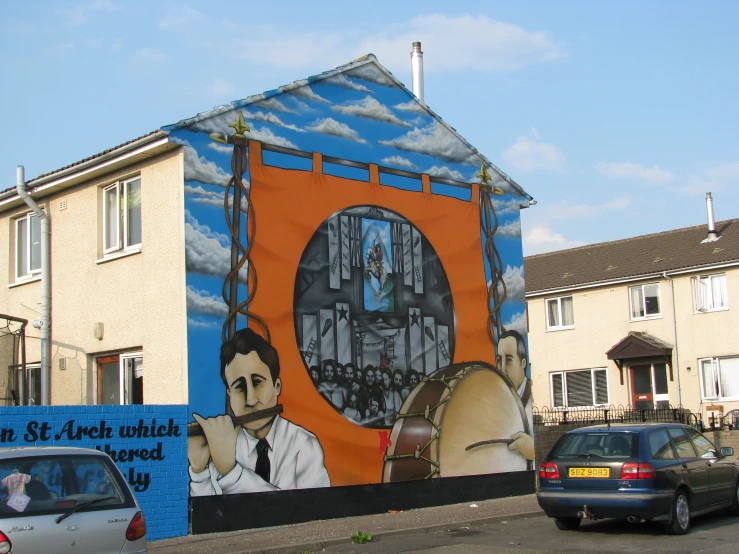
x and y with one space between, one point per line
696 469
721 473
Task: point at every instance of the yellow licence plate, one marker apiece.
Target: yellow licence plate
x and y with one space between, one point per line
598 472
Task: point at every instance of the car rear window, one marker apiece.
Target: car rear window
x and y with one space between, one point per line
659 445
57 484
603 444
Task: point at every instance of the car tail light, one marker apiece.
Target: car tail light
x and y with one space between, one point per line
548 470
633 470
137 527
5 544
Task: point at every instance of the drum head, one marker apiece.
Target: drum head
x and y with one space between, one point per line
483 406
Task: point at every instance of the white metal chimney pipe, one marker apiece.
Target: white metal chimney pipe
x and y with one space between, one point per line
712 234
417 71
44 323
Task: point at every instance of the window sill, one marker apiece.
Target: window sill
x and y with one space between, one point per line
726 309
118 255
565 328
22 282
647 318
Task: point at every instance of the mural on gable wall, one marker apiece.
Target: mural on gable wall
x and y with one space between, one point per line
357 311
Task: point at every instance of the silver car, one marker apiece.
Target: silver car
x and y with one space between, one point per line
59 499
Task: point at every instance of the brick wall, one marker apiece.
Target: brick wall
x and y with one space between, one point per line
155 466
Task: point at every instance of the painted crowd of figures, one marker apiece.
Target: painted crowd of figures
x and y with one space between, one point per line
371 396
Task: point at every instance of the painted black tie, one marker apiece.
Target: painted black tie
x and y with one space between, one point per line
263 468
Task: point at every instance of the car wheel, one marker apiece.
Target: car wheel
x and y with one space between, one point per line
734 509
567 523
680 514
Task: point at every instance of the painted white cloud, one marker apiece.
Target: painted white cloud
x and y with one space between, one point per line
340 80
463 42
184 16
214 198
506 206
542 238
372 74
220 123
222 148
511 229
517 322
198 168
625 170
271 118
411 106
306 92
202 324
150 55
529 154
434 140
329 126
445 173
399 161
273 104
203 302
206 251
370 108
514 282
266 135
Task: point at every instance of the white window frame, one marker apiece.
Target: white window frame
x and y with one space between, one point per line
714 371
644 302
121 239
558 300
29 272
708 299
592 385
123 393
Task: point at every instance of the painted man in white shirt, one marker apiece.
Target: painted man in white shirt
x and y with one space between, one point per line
263 455
512 361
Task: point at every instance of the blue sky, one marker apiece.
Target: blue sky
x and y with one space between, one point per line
616 117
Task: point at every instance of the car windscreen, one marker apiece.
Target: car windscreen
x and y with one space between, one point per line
37 485
616 445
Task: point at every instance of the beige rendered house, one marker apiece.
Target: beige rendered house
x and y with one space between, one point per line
117 278
646 321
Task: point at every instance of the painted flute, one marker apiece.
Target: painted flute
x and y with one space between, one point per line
195 429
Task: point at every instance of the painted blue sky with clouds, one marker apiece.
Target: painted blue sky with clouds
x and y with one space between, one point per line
617 117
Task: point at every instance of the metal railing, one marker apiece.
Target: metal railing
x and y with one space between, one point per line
615 414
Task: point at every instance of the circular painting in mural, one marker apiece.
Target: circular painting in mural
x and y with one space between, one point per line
373 312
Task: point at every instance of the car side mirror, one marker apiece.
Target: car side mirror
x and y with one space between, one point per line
726 451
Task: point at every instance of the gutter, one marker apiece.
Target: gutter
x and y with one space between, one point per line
44 324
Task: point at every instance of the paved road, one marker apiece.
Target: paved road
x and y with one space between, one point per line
713 534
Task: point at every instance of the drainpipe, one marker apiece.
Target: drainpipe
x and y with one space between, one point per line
674 331
44 323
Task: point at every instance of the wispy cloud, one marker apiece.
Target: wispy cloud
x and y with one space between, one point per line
625 170
342 81
728 171
221 123
203 302
81 13
200 169
517 322
150 55
411 106
445 173
713 179
370 108
434 140
273 104
207 251
221 87
511 229
514 282
329 126
271 118
306 92
541 239
464 42
529 153
506 206
182 18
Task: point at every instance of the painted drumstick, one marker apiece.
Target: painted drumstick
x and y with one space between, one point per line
492 441
195 429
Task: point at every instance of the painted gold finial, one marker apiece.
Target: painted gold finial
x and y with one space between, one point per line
239 125
485 178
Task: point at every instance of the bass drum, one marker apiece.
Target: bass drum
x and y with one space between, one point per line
457 421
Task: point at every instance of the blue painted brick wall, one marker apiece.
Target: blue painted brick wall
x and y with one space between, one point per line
164 500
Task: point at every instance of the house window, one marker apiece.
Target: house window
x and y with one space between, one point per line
588 387
644 301
710 293
120 379
560 314
720 378
27 246
122 215
23 388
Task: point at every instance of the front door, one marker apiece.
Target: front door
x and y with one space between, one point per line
642 397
